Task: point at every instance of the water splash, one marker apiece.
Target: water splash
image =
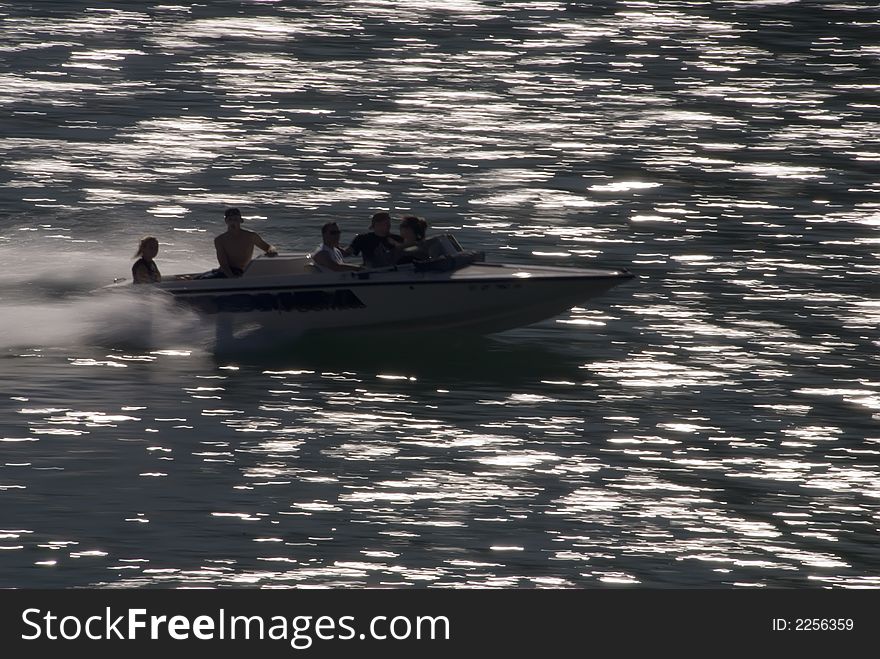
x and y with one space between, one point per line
56 298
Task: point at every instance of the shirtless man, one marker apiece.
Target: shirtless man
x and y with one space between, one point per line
235 248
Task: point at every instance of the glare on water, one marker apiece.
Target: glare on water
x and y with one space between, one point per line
713 422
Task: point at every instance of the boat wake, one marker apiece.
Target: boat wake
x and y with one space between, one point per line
54 300
121 320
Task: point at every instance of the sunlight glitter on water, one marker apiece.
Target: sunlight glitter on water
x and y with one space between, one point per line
720 415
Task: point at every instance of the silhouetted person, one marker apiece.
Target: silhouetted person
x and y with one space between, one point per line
235 247
145 270
329 257
379 245
412 231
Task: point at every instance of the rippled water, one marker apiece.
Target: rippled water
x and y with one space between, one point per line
712 423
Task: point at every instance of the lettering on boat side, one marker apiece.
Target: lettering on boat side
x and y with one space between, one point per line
485 287
296 301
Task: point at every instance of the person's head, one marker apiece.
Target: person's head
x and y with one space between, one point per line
330 234
147 248
232 217
412 228
380 224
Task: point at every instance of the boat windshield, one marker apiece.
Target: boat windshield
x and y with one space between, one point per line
442 245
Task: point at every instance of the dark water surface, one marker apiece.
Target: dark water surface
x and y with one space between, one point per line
712 423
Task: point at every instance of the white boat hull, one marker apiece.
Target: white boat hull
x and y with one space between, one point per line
481 298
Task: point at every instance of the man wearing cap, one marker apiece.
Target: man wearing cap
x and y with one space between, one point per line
379 246
235 247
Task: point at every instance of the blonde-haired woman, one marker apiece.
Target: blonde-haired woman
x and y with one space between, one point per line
145 270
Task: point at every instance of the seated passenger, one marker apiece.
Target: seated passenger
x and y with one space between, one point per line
329 257
145 270
412 230
379 245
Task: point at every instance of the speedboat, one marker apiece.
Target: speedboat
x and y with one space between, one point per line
450 289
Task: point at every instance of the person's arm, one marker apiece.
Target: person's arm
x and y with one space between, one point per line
263 245
397 248
222 259
354 248
323 259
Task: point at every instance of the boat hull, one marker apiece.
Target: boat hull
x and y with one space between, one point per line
482 298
